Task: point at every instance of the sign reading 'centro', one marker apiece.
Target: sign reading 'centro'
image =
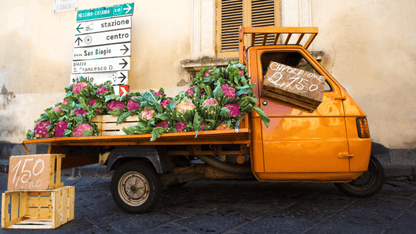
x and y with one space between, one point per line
105 12
110 37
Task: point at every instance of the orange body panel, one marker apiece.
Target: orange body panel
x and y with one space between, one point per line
301 146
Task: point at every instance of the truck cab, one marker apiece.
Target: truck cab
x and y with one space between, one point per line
330 144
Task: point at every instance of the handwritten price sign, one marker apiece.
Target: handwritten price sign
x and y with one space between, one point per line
29 172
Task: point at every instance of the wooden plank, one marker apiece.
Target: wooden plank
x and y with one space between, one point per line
289 100
114 126
5 216
71 207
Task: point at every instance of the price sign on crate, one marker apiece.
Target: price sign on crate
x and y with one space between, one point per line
33 172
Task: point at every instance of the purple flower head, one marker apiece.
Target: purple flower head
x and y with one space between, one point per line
80 129
223 126
163 124
191 91
40 130
203 124
56 109
228 91
92 102
132 105
158 94
115 104
102 90
80 112
60 128
147 114
234 109
210 102
185 106
165 102
207 72
180 126
241 71
79 86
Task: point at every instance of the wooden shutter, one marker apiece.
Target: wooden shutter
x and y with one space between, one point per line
262 15
231 19
233 13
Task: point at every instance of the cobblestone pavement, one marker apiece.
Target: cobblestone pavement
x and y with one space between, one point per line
243 207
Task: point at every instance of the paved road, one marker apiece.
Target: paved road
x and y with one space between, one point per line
243 207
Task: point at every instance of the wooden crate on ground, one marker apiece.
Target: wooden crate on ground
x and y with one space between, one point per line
35 172
107 124
292 85
43 209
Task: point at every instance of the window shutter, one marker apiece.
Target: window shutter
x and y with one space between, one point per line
231 19
263 15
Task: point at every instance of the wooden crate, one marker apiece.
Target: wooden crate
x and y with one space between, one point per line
298 87
43 209
35 172
107 125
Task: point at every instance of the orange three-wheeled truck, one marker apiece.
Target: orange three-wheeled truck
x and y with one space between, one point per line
330 144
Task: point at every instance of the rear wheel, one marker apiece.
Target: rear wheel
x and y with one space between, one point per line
368 184
135 187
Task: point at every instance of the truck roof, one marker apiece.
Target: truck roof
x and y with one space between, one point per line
307 34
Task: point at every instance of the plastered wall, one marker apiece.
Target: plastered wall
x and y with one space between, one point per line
36 53
369 47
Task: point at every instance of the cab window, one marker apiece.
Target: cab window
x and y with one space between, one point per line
293 59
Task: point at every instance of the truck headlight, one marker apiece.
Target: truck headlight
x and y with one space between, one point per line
362 127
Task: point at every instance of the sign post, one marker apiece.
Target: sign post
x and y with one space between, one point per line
102 44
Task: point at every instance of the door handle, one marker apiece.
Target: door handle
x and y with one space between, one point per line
339 98
264 103
345 155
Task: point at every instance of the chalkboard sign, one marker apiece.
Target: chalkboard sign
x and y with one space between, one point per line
296 86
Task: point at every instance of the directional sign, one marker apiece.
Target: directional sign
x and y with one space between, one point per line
116 78
103 25
101 65
105 51
105 12
111 37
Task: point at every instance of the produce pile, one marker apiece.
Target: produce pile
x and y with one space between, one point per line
215 100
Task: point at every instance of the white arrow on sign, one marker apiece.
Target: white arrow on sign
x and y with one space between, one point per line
103 25
101 65
116 78
105 51
104 38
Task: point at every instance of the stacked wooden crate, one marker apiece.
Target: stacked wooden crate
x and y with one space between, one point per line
35 197
107 124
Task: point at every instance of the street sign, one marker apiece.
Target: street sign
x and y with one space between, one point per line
104 51
103 25
105 12
116 78
120 90
101 65
104 38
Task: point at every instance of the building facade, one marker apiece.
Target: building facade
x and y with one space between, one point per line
366 45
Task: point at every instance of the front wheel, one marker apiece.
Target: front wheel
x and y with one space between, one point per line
368 184
135 187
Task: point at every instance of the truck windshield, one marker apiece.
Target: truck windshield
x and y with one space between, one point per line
290 58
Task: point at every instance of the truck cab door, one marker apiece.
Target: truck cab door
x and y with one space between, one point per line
296 140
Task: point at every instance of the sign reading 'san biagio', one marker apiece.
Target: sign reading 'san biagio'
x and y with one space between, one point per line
102 44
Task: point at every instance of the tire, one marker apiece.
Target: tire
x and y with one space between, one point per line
178 185
368 184
135 187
